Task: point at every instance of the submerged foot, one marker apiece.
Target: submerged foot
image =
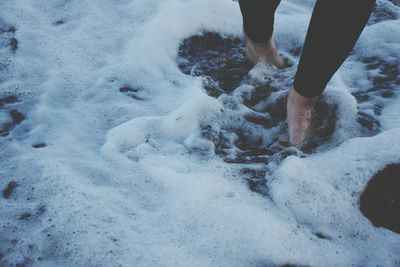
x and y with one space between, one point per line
265 52
299 111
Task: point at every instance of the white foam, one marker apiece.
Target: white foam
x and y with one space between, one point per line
390 115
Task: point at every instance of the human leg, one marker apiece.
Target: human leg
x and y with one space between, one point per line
258 18
334 28
258 26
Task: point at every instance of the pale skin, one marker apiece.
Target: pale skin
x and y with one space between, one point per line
299 108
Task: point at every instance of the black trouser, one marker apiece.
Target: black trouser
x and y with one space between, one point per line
334 29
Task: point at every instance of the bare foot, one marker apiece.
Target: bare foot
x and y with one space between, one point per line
299 111
263 52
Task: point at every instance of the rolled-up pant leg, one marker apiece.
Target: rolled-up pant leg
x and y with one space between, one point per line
258 18
334 28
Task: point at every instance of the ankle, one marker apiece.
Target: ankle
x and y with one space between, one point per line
267 46
297 99
248 38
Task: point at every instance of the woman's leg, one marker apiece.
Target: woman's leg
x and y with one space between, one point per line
333 31
258 18
258 26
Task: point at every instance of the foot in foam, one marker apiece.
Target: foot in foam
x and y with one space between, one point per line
265 52
299 111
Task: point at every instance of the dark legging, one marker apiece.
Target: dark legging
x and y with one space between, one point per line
334 29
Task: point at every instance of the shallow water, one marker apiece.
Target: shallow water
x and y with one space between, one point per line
136 133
